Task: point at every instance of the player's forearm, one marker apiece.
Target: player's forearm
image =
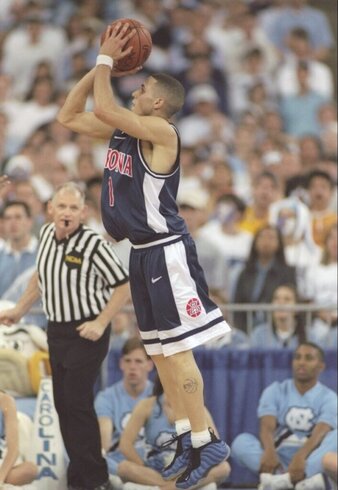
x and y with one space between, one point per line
104 98
266 436
118 299
75 102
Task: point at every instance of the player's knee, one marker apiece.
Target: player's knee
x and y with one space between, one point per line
30 471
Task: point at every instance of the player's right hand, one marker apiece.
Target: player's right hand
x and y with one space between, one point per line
10 316
269 461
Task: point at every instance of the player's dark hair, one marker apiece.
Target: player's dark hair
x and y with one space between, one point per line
319 350
173 91
22 204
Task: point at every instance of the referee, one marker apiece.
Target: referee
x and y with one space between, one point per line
83 285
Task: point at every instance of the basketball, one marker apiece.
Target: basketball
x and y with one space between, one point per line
141 43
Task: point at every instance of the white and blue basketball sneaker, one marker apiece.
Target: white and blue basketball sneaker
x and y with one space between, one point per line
202 460
182 455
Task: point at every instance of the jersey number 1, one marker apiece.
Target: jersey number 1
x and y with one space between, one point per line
111 192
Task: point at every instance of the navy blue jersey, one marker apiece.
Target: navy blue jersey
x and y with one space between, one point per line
136 202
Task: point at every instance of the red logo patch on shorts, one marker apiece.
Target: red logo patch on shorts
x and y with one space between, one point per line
194 307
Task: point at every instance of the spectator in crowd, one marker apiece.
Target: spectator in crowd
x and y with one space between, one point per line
206 125
264 270
12 470
122 328
321 288
292 217
229 243
320 188
298 426
114 404
296 13
3 181
82 284
28 44
285 329
300 110
20 250
320 77
265 188
154 417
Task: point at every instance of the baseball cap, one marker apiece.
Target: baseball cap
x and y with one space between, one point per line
19 167
202 93
195 198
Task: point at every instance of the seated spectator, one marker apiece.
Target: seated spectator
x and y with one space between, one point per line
264 270
321 288
286 329
12 470
298 425
321 189
154 417
114 404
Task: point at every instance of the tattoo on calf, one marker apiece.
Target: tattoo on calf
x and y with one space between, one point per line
190 385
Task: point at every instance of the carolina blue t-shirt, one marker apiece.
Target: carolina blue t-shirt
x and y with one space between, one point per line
298 414
116 403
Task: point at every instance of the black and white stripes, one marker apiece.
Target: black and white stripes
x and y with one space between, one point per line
76 275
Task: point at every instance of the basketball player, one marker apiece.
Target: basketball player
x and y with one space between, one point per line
169 291
298 426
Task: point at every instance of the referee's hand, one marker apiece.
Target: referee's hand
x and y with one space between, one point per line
91 330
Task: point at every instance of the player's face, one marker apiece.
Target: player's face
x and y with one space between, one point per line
135 367
306 364
143 98
67 211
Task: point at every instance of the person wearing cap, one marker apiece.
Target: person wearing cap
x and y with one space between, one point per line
206 123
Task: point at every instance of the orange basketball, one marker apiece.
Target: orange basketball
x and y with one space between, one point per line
141 43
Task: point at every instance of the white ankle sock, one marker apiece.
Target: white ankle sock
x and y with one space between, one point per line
198 439
314 482
182 426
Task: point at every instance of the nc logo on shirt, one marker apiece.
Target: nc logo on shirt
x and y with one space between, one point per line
300 419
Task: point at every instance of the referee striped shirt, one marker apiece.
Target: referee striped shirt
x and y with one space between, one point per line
77 275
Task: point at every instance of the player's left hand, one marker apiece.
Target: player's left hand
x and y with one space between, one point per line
91 330
297 468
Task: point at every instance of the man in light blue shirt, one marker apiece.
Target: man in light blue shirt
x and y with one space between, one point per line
114 404
298 425
20 248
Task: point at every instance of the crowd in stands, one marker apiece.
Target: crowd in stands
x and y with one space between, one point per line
259 140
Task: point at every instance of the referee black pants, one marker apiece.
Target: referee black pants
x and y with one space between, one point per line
75 364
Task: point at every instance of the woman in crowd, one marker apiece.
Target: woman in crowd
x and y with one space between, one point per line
286 329
263 272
